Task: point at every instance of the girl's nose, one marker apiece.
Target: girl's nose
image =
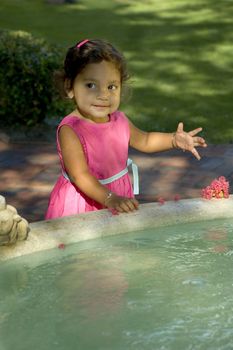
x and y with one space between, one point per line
103 93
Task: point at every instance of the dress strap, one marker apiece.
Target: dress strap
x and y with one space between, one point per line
118 176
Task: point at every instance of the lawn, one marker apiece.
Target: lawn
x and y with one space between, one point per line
180 54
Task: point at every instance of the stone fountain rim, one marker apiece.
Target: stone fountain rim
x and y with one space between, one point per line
49 234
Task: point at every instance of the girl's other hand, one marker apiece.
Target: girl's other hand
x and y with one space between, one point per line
188 141
121 204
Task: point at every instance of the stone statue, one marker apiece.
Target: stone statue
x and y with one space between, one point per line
12 226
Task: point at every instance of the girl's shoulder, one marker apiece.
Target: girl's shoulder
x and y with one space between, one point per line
119 116
70 120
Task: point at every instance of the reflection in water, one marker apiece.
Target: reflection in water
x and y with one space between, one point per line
220 236
159 289
93 285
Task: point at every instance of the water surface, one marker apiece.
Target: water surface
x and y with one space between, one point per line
166 288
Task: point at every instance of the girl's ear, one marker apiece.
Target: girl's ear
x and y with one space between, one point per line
70 94
68 89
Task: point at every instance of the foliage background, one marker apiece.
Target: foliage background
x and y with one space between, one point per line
180 54
27 89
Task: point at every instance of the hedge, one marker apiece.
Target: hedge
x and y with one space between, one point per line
27 91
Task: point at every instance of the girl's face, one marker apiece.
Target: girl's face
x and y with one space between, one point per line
97 91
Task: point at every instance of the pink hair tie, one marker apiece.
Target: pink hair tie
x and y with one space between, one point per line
82 43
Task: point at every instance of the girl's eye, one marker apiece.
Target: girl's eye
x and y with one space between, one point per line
112 87
91 85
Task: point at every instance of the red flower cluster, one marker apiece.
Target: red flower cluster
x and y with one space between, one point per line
219 188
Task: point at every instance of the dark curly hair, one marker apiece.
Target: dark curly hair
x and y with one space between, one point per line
92 51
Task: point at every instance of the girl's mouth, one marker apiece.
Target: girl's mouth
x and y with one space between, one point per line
101 106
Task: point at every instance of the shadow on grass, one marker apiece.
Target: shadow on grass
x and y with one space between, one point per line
180 55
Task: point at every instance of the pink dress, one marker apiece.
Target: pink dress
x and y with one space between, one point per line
105 146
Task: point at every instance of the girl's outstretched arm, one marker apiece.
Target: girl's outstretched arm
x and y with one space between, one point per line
149 142
78 171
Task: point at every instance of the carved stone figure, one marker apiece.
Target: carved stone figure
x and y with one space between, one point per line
12 226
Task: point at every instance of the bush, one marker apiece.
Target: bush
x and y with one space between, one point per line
27 92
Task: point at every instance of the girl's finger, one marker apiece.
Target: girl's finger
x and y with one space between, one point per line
180 127
125 206
195 153
194 132
130 205
119 209
135 203
199 141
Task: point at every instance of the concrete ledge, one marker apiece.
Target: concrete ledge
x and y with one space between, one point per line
49 234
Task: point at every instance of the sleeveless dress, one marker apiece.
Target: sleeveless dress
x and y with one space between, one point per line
105 146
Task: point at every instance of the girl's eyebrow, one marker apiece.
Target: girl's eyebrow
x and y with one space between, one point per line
92 79
96 80
115 82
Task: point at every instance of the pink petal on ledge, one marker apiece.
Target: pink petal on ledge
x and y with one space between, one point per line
177 198
61 246
161 200
113 211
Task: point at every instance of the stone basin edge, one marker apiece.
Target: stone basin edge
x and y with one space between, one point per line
50 234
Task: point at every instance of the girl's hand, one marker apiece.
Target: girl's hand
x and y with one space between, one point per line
188 141
121 204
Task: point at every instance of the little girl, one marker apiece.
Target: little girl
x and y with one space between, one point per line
93 140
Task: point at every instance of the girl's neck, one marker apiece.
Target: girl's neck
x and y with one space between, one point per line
76 113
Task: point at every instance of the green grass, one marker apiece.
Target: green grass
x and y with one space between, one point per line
180 54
